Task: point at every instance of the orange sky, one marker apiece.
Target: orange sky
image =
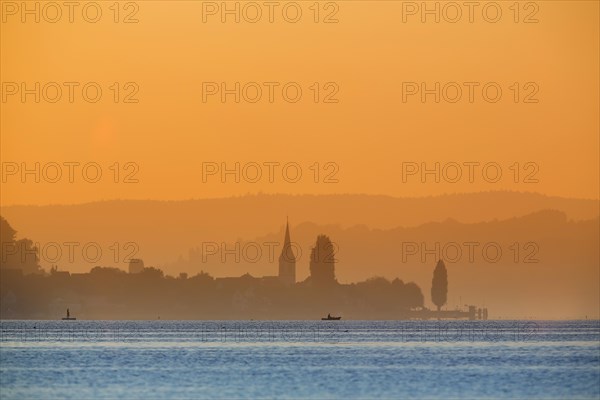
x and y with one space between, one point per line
368 134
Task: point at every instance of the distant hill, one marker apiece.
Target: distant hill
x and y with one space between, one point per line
165 229
245 212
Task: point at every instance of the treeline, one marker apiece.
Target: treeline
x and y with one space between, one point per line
110 293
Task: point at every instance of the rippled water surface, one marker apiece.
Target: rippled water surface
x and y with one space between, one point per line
299 359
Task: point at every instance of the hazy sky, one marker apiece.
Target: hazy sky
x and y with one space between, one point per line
370 62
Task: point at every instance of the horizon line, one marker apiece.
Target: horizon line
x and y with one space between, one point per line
261 193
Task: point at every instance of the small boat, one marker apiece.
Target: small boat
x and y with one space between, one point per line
330 318
68 317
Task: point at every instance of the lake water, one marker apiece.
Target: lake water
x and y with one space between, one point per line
299 359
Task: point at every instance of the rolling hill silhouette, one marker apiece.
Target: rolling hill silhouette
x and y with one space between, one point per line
167 228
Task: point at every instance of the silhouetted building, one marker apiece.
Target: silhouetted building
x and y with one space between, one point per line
270 280
287 260
136 266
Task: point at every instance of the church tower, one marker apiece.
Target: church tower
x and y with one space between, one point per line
287 260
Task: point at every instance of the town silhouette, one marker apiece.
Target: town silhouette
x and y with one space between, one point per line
145 292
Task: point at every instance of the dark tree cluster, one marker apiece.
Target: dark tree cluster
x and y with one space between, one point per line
147 293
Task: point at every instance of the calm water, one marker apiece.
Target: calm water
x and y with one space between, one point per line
299 359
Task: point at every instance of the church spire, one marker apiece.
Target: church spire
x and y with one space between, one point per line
287 241
287 259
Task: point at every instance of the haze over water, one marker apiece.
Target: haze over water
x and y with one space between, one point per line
300 359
